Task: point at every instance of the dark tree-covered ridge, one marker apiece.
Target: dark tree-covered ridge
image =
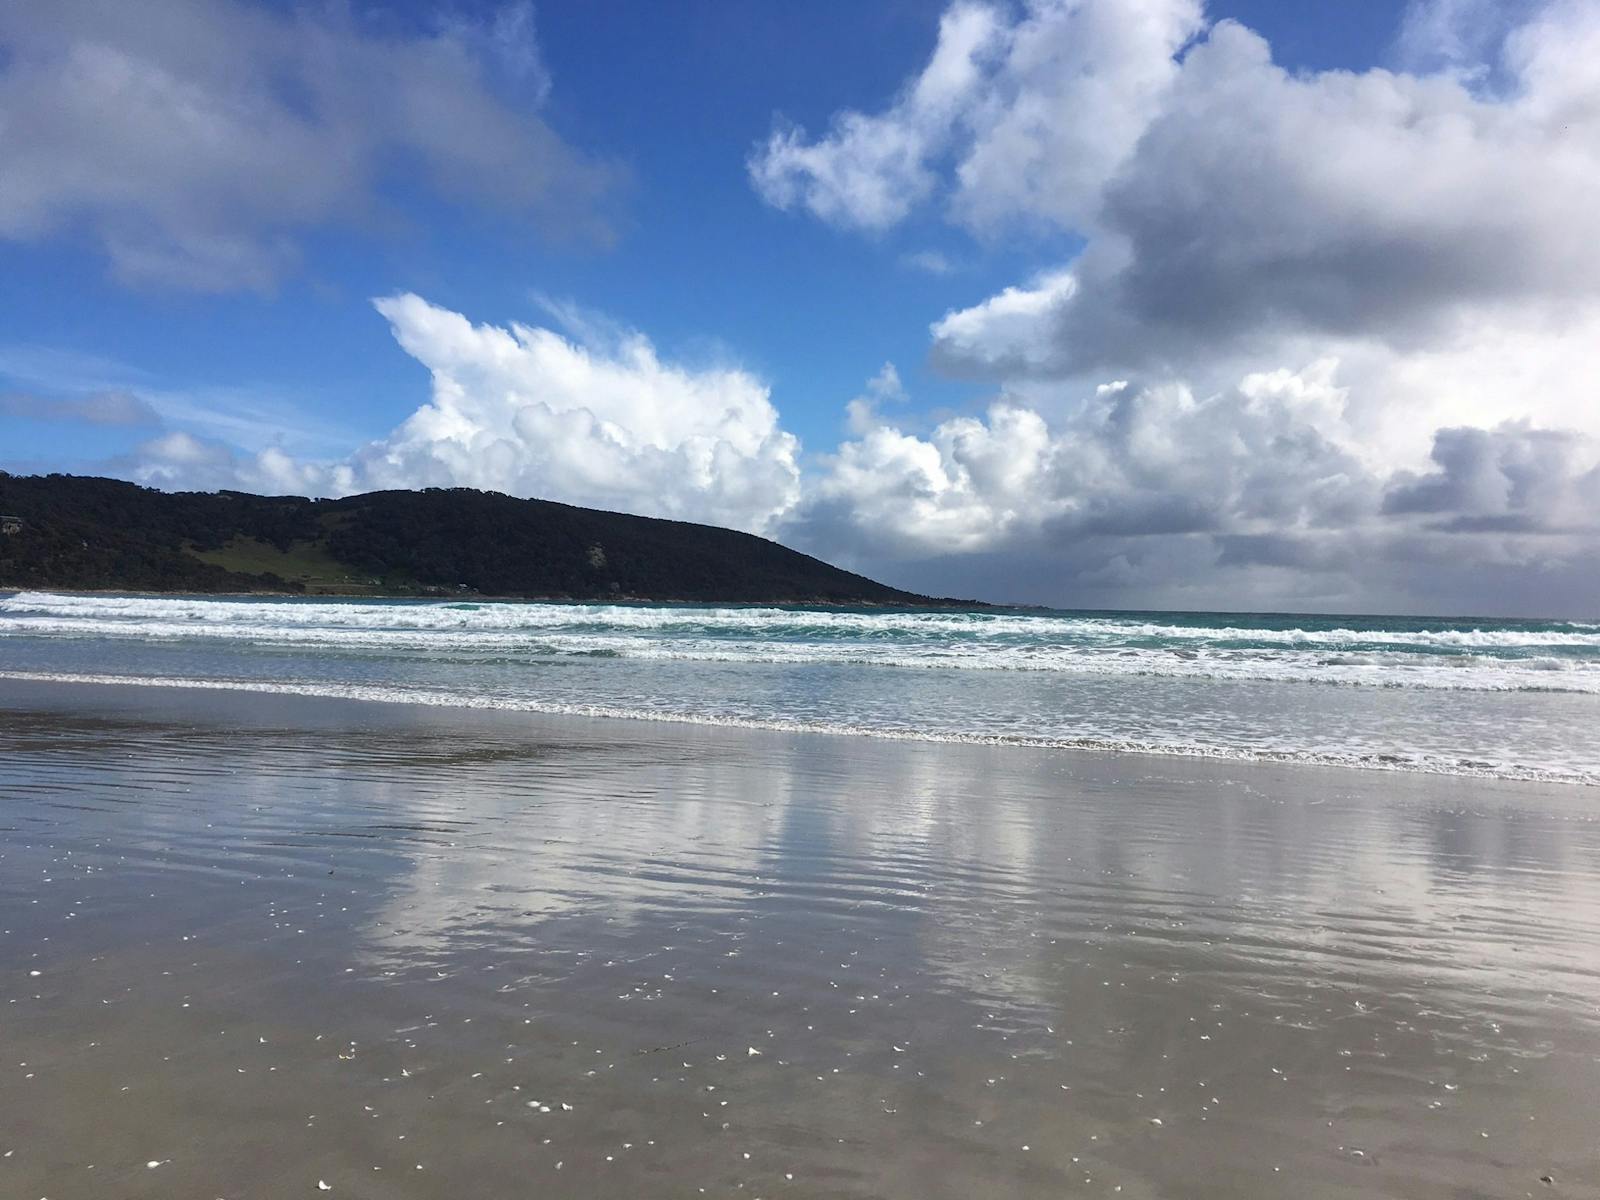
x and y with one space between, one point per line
64 531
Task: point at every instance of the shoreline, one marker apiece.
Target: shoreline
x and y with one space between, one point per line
388 695
954 605
7 589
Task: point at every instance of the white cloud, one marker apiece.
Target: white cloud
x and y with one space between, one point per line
869 172
1488 368
861 414
1268 452
526 411
180 460
1376 206
1261 491
966 487
523 410
1260 207
195 141
1066 106
1009 332
1007 101
1423 236
1236 211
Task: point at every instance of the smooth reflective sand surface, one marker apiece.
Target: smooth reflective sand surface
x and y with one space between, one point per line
261 947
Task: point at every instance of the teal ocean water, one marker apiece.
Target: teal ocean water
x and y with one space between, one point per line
1518 699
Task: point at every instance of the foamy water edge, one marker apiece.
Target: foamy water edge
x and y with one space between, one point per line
1429 765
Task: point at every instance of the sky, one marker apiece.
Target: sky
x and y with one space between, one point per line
1089 303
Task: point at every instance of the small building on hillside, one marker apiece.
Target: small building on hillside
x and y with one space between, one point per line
10 524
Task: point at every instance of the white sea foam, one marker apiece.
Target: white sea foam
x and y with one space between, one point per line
1557 658
490 617
388 694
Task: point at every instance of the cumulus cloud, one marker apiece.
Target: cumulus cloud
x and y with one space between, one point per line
525 410
195 141
965 487
181 460
1009 332
870 171
861 413
1231 206
1260 206
1383 207
1158 495
603 422
1004 100
1421 235
1066 107
1511 479
1429 232
1267 453
1528 363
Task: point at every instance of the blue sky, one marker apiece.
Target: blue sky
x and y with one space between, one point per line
660 118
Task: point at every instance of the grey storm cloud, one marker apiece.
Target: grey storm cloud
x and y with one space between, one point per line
196 141
1511 479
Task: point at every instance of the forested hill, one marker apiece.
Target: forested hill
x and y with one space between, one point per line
63 531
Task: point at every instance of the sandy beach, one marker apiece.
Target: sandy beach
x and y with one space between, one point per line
264 946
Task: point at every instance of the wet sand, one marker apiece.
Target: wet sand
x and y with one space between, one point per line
254 945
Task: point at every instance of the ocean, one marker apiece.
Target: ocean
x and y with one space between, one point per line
1499 698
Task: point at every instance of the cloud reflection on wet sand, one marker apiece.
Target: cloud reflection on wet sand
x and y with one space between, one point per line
430 953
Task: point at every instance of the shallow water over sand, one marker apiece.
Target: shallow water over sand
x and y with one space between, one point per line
265 942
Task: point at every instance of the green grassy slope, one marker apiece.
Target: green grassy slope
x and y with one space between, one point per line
304 563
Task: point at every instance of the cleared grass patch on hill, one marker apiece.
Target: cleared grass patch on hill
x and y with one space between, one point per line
304 562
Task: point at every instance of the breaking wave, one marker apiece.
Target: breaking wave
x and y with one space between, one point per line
1372 652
